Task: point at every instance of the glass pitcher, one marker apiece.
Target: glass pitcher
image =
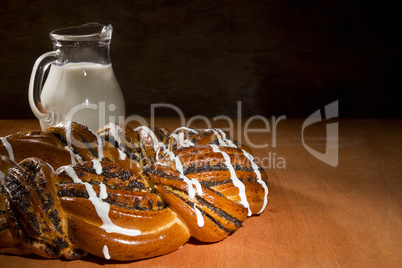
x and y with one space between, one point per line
80 84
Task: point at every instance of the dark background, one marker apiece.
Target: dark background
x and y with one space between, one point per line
276 57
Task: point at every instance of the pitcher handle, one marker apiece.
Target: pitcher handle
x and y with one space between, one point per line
36 83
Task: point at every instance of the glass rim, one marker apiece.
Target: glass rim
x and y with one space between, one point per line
92 31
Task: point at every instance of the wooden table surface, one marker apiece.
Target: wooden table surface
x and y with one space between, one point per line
318 215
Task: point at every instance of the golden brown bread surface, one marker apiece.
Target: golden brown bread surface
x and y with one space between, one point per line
123 193
36 143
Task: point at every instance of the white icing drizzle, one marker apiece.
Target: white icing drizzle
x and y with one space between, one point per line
185 128
200 218
190 183
223 141
233 176
116 137
72 156
259 180
121 154
157 143
179 166
97 166
103 191
105 252
51 167
180 137
226 142
102 208
115 133
71 173
182 141
9 148
222 138
100 145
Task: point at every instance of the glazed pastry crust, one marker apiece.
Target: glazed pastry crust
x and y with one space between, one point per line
123 193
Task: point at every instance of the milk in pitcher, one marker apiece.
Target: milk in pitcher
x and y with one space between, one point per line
87 93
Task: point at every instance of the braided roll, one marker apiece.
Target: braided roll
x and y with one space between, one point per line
122 193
